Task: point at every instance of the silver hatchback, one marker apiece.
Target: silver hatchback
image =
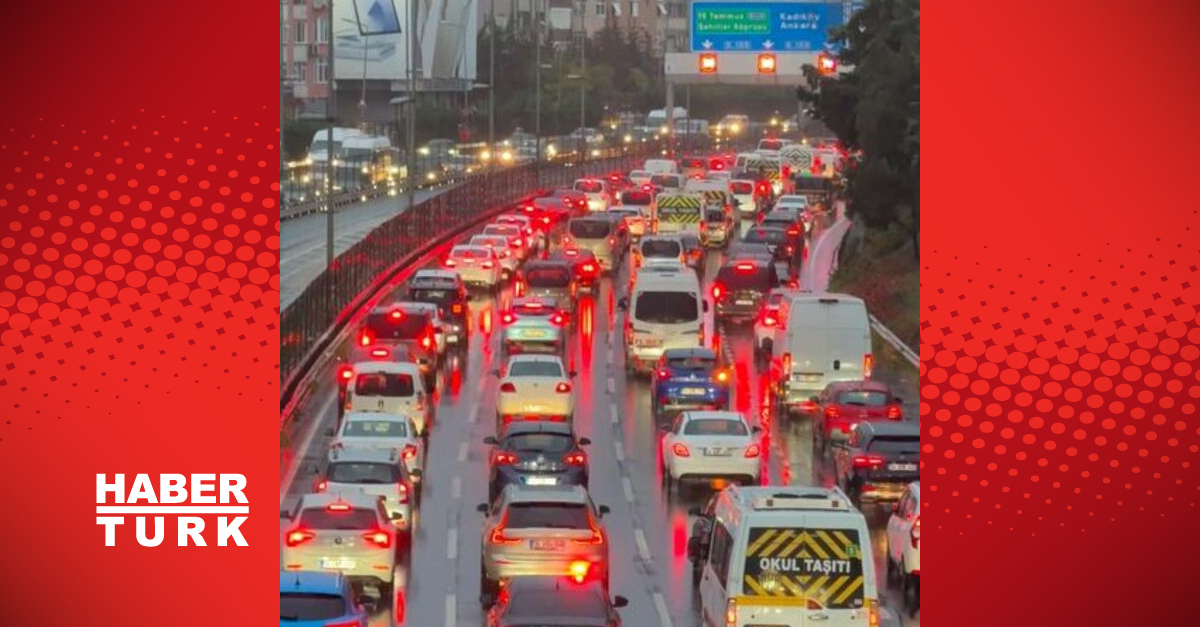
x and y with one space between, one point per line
348 532
542 530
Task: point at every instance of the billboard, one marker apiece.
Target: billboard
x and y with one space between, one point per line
366 49
764 26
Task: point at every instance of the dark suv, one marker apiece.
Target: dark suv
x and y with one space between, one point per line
741 285
412 328
445 290
537 452
878 460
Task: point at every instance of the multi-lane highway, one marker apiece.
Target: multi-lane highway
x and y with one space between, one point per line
648 529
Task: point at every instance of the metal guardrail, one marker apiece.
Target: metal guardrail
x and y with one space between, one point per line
894 340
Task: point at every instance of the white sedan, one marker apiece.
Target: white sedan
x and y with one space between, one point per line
499 244
534 387
904 545
711 445
477 265
379 430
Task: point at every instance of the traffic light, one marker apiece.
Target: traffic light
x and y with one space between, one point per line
708 62
826 64
766 63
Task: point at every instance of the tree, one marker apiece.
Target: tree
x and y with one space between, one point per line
874 109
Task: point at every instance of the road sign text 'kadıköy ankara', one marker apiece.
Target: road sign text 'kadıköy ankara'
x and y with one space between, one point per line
765 26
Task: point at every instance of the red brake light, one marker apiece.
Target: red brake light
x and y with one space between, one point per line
769 320
320 485
345 373
296 537
597 536
571 252
426 342
410 451
868 365
338 507
579 570
449 263
915 532
508 388
894 412
380 539
488 265
681 450
745 267
563 387
498 536
379 352
366 338
717 291
402 490
868 461
503 459
575 459
397 314
663 373
721 376
589 268
832 412
751 451
558 319
456 308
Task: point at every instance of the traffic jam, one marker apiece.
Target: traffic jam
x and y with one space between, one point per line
616 403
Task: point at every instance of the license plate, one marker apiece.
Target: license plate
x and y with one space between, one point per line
337 563
535 409
902 467
716 451
810 377
693 391
647 342
537 333
541 481
744 302
547 545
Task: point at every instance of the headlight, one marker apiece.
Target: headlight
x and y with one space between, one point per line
423 151
431 176
485 156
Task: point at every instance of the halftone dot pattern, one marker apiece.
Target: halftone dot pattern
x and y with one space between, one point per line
1045 386
138 252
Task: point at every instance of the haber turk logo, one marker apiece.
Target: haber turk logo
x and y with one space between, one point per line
185 499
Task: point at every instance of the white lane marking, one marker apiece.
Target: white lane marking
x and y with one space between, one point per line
627 486
452 544
305 443
612 385
643 548
462 452
610 353
456 488
612 411
473 412
620 450
660 604
451 610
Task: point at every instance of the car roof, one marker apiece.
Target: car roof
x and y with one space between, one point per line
715 415
534 358
537 426
547 263
694 351
660 238
869 386
526 300
309 581
387 367
546 494
468 247
570 603
364 454
350 497
429 274
374 415
902 427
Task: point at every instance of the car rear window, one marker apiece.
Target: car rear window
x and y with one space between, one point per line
535 442
323 518
507 230
534 369
714 215
745 275
548 277
895 445
365 473
389 326
636 198
773 237
714 426
691 363
589 187
383 384
665 180
664 248
433 296
770 144
303 606
692 163
547 515
471 253
863 397
742 188
590 229
666 307
375 429
548 203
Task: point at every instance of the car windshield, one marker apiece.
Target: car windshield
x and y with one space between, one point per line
664 248
746 275
548 203
537 368
308 606
770 144
507 230
363 473
895 445
396 325
375 429
470 253
692 362
548 277
589 608
665 180
741 187
589 187
715 426
440 297
863 397
590 229
337 519
539 442
490 241
666 307
547 515
383 384
714 215
692 163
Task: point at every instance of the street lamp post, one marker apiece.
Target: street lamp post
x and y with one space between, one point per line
492 83
331 114
583 39
537 81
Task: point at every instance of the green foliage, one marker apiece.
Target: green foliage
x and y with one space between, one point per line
297 135
874 107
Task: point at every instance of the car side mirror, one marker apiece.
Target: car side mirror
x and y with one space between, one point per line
482 508
756 429
495 372
897 400
620 601
284 514
416 473
603 509
705 306
623 303
584 441
573 374
491 440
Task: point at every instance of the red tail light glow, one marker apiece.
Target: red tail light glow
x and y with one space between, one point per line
589 268
681 450
751 451
320 486
575 459
579 570
663 373
402 493
832 412
296 537
558 319
345 373
449 263
426 342
745 267
498 536
338 507
894 412
503 459
915 533
508 388
366 338
380 539
721 376
456 308
769 320
379 352
507 318
873 462
868 365
488 265
597 536
718 291
410 452
563 387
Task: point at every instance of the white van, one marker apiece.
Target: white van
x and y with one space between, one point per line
661 166
389 387
826 338
785 556
665 310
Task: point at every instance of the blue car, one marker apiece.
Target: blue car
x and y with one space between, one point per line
688 378
318 599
